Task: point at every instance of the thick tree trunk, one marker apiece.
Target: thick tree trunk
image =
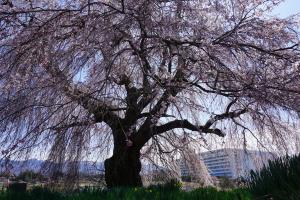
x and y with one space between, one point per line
123 168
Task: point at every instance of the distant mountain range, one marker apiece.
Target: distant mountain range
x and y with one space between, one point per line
86 167
16 166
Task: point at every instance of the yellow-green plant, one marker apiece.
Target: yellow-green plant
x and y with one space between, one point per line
280 179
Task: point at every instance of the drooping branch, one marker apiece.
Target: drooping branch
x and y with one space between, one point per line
278 53
101 110
70 125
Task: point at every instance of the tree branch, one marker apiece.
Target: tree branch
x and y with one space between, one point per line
186 125
205 129
100 109
226 115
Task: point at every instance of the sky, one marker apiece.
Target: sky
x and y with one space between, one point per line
289 7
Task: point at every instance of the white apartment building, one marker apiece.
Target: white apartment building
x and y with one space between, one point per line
231 163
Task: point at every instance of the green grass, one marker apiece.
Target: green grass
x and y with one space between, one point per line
150 193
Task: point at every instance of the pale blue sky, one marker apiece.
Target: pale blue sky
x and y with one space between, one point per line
289 7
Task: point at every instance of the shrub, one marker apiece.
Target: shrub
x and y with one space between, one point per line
17 187
226 183
279 180
186 178
171 185
30 176
36 193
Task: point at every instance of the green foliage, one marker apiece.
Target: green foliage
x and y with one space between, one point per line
186 178
34 194
279 180
171 185
226 183
129 194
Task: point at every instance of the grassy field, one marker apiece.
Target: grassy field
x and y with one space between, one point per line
150 193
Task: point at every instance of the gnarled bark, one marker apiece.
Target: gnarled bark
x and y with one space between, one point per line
123 168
